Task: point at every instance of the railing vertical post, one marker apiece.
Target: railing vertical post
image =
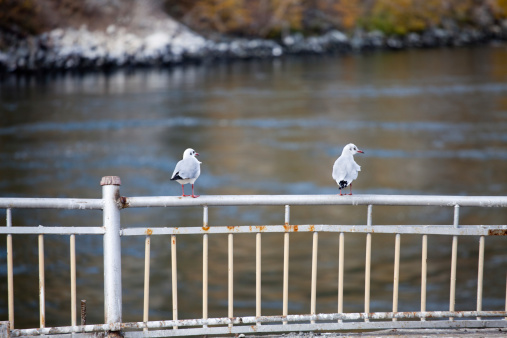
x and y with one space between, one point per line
146 304
230 276
480 274
313 295
286 264
258 276
10 275
396 281
367 268
73 305
454 258
424 272
205 265
112 250
174 276
42 286
340 273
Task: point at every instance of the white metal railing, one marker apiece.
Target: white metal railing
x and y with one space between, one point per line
111 204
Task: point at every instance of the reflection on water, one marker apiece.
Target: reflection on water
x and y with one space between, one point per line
430 122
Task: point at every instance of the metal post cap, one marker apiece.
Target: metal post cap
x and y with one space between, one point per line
110 180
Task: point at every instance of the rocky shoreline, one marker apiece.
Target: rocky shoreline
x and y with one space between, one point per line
117 47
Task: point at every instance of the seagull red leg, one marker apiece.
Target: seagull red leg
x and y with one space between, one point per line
194 196
350 189
183 191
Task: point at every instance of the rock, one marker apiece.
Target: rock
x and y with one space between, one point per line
376 39
413 40
394 43
168 42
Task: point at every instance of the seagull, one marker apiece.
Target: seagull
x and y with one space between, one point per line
187 171
345 169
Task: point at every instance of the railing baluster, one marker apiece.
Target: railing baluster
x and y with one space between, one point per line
396 280
367 268
258 276
205 266
10 275
424 272
286 264
340 273
480 274
452 297
174 278
73 280
230 260
454 258
314 273
146 303
367 271
42 302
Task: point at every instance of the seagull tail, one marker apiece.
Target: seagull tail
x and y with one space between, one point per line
342 184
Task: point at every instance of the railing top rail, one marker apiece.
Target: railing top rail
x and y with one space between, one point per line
245 200
51 203
252 200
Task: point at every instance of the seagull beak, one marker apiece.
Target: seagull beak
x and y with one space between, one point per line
360 151
196 154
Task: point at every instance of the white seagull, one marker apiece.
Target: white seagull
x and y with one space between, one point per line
187 171
345 169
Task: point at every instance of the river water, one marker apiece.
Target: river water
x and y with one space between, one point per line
429 121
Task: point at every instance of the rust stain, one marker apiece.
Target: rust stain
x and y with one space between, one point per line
497 232
231 227
124 202
205 227
312 227
290 228
149 231
261 227
174 240
250 228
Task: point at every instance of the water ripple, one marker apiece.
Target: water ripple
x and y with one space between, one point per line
406 91
261 123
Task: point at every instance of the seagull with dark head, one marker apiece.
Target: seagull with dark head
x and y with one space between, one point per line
345 169
187 171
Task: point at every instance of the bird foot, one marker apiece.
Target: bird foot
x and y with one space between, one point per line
350 194
185 195
194 196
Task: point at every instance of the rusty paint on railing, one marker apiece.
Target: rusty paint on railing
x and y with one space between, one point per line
497 232
291 228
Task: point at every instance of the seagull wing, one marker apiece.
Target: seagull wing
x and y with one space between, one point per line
187 168
345 169
339 169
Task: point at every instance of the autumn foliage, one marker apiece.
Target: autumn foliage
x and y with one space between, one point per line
272 18
264 18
